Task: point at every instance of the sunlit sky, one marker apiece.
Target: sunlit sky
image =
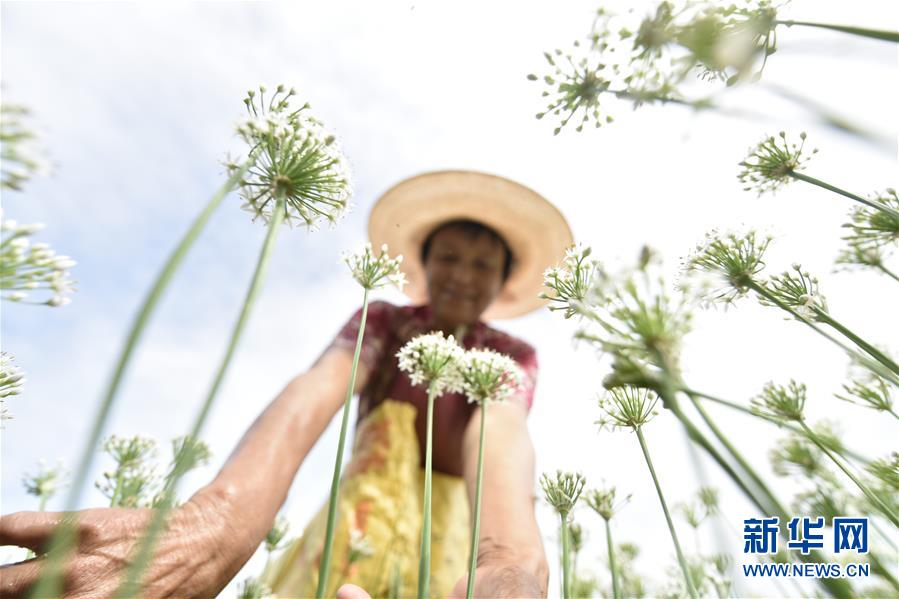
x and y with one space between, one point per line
135 104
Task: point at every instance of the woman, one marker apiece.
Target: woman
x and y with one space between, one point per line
475 245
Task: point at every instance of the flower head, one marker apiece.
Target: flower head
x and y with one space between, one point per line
32 268
372 271
735 259
574 88
563 491
45 483
488 376
708 499
602 501
781 402
571 280
798 290
796 454
873 234
132 482
870 392
772 162
433 360
188 453
294 158
360 546
276 534
886 470
627 407
11 376
20 157
252 588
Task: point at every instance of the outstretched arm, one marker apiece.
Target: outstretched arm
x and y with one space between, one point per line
511 559
211 536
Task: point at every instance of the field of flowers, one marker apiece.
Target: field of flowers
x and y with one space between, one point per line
731 311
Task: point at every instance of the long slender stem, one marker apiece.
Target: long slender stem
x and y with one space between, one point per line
877 34
887 271
566 559
476 530
424 563
864 345
885 510
325 567
691 589
130 587
844 193
616 591
50 582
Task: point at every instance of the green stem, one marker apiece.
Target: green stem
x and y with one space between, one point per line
887 271
566 560
864 345
844 193
424 563
476 531
877 34
50 582
760 484
131 586
325 566
884 509
616 591
691 589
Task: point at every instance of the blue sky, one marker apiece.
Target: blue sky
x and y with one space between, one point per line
136 104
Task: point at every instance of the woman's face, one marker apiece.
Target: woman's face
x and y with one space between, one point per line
464 275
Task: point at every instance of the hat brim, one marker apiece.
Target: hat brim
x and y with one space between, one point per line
535 230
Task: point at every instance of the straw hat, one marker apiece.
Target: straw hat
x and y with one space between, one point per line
535 230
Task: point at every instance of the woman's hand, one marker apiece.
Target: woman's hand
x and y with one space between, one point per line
193 558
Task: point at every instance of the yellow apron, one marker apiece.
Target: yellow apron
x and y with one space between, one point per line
381 498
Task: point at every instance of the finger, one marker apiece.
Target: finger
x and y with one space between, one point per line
16 578
351 591
28 529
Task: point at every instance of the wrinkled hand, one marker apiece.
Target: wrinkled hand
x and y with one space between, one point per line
189 561
499 579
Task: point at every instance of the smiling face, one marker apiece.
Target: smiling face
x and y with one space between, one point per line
465 272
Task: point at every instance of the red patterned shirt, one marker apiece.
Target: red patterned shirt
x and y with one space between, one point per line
387 329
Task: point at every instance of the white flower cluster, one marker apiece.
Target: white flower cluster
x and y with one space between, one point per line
563 491
433 360
571 280
360 546
372 271
294 158
489 376
27 267
11 380
20 155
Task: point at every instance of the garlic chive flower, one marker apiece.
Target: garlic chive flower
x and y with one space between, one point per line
488 376
276 534
359 547
433 360
372 271
252 588
873 234
27 268
574 88
19 156
872 392
735 259
627 407
781 402
563 491
11 376
886 470
796 455
798 290
132 482
188 453
295 158
708 499
11 381
44 484
602 501
772 163
571 280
